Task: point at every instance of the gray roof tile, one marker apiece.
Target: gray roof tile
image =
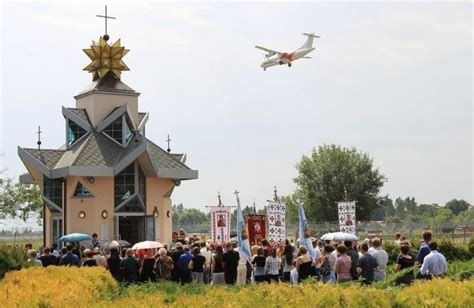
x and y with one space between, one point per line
131 146
81 113
98 151
48 157
177 156
162 159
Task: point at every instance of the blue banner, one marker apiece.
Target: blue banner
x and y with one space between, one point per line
242 236
304 232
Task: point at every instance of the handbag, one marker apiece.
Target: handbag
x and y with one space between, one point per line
325 268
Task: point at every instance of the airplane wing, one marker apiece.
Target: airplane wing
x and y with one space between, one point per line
270 51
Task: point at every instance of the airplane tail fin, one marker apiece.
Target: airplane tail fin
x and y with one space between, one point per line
309 40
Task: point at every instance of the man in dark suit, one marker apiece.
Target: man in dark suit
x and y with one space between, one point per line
69 258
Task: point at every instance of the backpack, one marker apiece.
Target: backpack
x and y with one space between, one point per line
325 267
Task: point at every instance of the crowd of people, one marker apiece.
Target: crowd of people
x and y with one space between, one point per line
191 260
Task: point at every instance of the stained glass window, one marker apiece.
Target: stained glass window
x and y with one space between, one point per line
81 191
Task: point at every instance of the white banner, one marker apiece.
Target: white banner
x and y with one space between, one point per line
276 215
347 216
220 224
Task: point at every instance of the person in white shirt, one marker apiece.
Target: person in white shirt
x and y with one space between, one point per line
381 256
32 258
434 263
54 250
206 254
317 252
396 238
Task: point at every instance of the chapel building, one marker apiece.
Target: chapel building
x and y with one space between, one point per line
108 177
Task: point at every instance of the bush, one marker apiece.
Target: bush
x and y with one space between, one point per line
471 246
94 287
453 251
461 270
11 258
436 293
57 286
450 250
392 250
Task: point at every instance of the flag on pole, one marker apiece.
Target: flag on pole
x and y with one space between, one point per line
242 236
305 233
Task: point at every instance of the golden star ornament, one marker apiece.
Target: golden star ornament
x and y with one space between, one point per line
106 58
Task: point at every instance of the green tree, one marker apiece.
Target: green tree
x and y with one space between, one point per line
384 211
193 216
457 206
188 216
19 199
405 207
443 215
291 209
329 170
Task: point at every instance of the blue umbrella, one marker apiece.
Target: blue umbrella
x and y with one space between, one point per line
75 237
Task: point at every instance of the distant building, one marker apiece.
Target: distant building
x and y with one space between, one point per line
107 178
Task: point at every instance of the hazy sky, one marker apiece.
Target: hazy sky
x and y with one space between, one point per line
393 80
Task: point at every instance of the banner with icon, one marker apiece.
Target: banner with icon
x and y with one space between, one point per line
256 227
347 217
220 224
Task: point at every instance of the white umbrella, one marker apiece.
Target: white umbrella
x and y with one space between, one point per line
339 236
114 244
147 245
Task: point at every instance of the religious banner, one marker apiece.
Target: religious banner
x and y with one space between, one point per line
220 224
276 215
256 227
347 218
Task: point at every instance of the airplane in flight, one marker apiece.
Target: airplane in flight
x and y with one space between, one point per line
273 57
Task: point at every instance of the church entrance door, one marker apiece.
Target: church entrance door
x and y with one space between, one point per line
131 228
